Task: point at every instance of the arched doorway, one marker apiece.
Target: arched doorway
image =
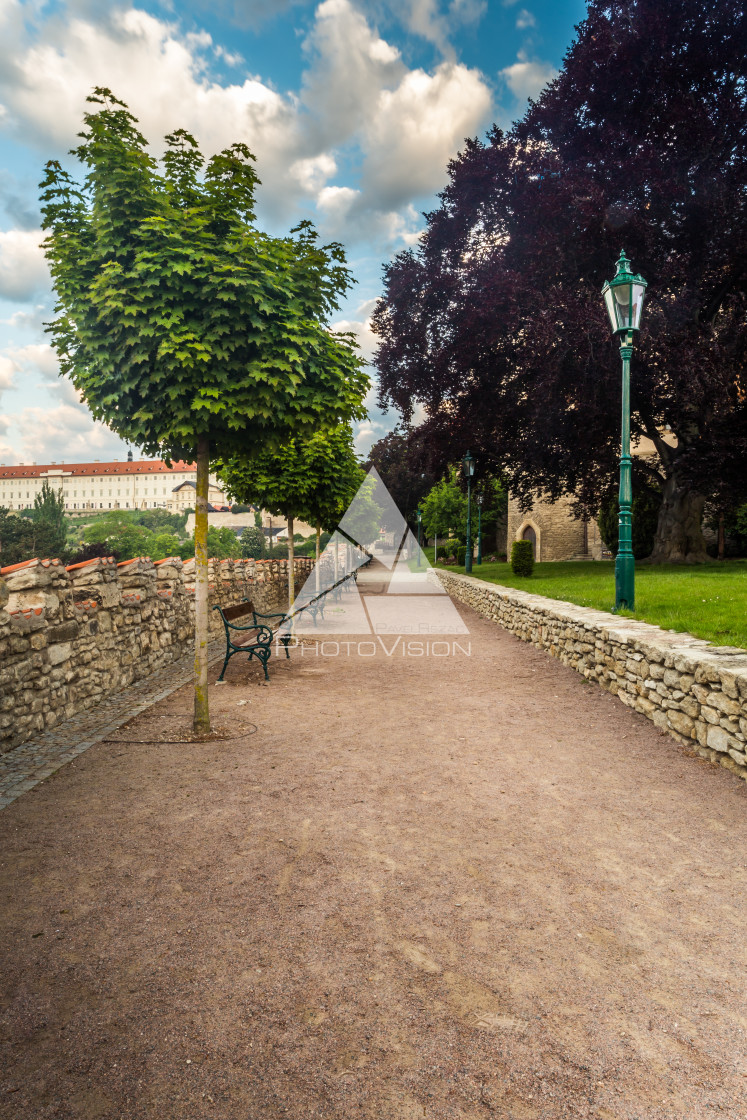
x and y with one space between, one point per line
530 535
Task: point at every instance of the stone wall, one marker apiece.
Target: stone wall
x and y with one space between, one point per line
560 536
69 636
695 691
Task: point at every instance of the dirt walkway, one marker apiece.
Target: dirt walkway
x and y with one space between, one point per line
465 887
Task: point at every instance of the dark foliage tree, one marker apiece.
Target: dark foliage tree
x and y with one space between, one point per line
496 323
646 507
404 462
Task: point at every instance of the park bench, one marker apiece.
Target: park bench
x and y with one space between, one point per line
315 606
253 638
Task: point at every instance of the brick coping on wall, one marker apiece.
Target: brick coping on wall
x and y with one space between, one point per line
695 691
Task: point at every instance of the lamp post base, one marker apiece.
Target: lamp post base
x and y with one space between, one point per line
625 581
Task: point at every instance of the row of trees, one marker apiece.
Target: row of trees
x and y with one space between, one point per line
313 479
187 330
495 324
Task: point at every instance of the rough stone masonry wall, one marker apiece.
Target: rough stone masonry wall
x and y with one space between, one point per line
692 689
69 636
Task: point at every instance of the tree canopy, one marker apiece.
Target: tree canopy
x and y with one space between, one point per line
313 478
496 325
176 317
404 462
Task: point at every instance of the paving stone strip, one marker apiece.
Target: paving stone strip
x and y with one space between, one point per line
30 763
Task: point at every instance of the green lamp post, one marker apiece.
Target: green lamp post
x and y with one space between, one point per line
468 470
420 521
623 298
479 528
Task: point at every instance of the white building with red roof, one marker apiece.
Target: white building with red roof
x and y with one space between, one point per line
131 484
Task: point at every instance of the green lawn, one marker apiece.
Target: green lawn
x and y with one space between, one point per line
707 600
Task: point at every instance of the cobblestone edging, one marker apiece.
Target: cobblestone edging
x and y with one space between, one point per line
694 690
30 763
70 636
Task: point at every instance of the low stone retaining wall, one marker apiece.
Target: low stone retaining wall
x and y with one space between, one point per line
692 689
69 636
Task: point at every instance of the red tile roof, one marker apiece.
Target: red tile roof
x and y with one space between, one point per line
139 466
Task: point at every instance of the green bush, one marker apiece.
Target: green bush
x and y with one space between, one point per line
522 558
461 554
308 548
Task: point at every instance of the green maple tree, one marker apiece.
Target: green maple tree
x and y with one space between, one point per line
187 330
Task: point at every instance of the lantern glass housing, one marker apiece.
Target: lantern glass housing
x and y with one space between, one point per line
623 297
468 466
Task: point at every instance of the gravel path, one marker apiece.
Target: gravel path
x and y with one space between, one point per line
424 888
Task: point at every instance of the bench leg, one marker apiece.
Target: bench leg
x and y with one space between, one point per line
284 642
225 663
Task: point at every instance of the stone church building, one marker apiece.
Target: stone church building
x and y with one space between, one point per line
554 532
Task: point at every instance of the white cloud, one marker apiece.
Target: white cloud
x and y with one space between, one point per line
26 320
398 127
415 129
162 75
427 19
7 453
365 337
23 269
525 19
229 57
311 174
7 370
65 432
350 65
527 77
36 357
424 18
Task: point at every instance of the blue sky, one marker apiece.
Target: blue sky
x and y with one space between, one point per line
352 107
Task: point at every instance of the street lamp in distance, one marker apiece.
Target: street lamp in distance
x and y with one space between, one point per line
420 521
479 528
623 298
468 470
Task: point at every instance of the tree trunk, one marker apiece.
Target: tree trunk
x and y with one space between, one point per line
291 566
202 711
721 537
679 534
316 566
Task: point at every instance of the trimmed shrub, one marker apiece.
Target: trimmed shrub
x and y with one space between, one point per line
461 554
522 558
